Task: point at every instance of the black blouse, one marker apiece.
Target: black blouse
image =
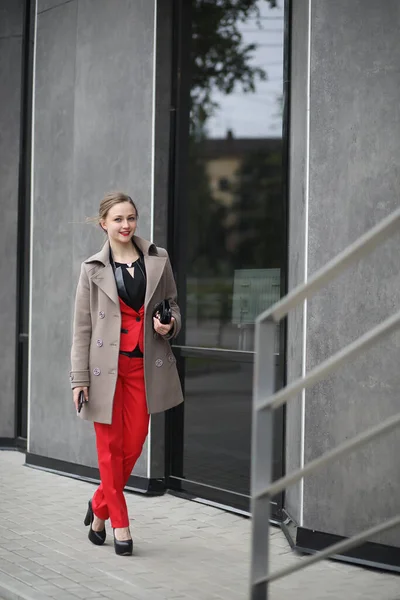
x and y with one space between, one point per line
135 286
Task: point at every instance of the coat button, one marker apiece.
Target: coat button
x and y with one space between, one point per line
102 314
96 371
171 358
159 362
138 319
155 335
71 377
99 343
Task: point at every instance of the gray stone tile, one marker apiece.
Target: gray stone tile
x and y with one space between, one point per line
168 564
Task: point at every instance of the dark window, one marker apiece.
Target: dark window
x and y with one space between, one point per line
224 184
230 244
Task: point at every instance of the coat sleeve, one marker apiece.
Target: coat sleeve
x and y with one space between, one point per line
82 333
171 295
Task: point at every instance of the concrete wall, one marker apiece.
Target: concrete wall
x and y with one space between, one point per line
93 132
11 29
161 184
297 242
354 183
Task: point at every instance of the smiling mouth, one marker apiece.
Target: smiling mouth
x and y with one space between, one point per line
125 233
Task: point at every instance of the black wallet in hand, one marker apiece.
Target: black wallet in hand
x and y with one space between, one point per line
163 311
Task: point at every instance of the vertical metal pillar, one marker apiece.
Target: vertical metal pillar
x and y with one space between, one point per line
262 455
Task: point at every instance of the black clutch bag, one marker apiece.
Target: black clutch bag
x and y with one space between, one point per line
163 312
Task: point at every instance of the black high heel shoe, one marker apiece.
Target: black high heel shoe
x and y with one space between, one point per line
96 537
123 547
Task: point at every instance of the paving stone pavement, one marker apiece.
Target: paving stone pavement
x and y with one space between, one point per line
182 550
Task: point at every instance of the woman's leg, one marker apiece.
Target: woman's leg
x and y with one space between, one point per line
108 500
136 417
135 424
120 444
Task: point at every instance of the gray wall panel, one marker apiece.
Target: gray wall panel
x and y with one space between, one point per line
45 5
113 103
52 286
354 178
163 116
95 59
11 18
297 239
11 14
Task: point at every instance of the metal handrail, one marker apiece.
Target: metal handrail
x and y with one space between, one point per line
364 245
266 400
345 448
338 548
334 362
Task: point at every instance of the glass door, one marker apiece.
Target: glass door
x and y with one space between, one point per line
229 246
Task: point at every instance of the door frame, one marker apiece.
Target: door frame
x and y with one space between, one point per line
24 219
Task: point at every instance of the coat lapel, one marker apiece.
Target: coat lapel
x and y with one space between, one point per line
154 266
104 276
154 269
105 280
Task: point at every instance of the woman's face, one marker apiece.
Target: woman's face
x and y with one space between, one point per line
120 222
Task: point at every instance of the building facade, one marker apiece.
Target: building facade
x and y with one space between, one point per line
259 140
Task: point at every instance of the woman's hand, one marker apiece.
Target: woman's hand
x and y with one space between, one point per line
160 328
75 395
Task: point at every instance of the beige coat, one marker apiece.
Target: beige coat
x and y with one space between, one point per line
97 328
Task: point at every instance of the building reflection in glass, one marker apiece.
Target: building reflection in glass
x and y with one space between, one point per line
235 205
234 231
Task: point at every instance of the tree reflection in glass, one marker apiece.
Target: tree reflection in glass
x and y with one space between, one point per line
235 212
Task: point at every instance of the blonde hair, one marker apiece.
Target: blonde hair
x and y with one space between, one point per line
110 200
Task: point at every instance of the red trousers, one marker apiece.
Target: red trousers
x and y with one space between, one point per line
120 444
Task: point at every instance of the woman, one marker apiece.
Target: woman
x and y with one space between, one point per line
121 357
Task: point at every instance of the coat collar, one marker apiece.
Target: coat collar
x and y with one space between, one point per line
148 249
104 277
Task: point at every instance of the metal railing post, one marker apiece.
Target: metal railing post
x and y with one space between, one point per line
262 454
266 400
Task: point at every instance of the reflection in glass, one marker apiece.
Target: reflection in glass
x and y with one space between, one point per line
235 205
218 423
